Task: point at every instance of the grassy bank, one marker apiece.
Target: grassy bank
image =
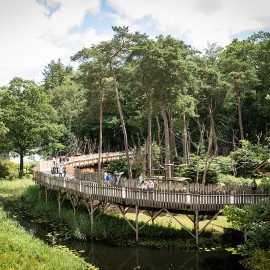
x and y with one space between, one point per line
18 250
110 227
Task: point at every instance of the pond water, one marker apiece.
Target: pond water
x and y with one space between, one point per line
114 258
107 257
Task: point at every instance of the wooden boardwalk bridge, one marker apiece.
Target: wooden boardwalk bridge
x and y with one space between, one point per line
168 196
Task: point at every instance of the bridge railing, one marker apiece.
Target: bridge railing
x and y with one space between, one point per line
170 199
167 185
82 161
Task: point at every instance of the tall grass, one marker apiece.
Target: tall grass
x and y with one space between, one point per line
18 250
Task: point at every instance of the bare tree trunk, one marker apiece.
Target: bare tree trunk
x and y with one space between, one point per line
207 164
167 143
210 143
184 140
212 126
238 98
21 165
149 139
100 131
199 153
159 141
122 121
172 141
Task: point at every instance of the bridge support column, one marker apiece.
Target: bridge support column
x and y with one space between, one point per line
92 215
75 200
60 198
137 223
196 226
40 192
46 195
91 209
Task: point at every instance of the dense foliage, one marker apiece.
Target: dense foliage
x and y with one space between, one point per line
133 91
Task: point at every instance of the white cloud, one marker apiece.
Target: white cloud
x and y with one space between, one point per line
30 38
200 21
33 32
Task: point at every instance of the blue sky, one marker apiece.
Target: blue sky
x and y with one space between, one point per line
34 32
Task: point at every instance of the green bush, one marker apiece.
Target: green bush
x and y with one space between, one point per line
225 164
8 169
258 259
259 236
211 175
119 165
265 183
233 180
244 161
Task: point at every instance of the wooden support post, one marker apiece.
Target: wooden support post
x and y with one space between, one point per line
46 195
245 235
40 193
60 198
59 203
137 223
92 215
196 226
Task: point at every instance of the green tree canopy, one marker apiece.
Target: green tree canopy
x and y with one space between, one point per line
30 119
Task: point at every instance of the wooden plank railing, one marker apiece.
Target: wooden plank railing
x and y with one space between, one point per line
184 187
169 199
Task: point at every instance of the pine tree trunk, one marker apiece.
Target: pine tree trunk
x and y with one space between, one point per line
212 126
167 144
238 98
100 131
122 121
184 140
159 142
149 139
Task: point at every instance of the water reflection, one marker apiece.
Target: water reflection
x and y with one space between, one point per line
107 257
115 258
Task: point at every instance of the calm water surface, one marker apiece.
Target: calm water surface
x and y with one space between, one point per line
107 257
114 258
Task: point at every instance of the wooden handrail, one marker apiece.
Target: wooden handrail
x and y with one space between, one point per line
169 199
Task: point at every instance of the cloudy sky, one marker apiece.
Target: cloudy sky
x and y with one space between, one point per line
34 32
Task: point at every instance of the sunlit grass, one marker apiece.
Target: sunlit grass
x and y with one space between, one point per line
18 250
217 224
15 187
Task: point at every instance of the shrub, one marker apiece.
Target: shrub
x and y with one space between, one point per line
233 180
244 161
258 259
119 165
8 169
265 183
211 175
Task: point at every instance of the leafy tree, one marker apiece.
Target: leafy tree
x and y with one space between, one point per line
30 119
112 55
255 220
94 76
211 95
54 74
244 160
241 73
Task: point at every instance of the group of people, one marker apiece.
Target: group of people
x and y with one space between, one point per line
113 180
148 185
59 168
